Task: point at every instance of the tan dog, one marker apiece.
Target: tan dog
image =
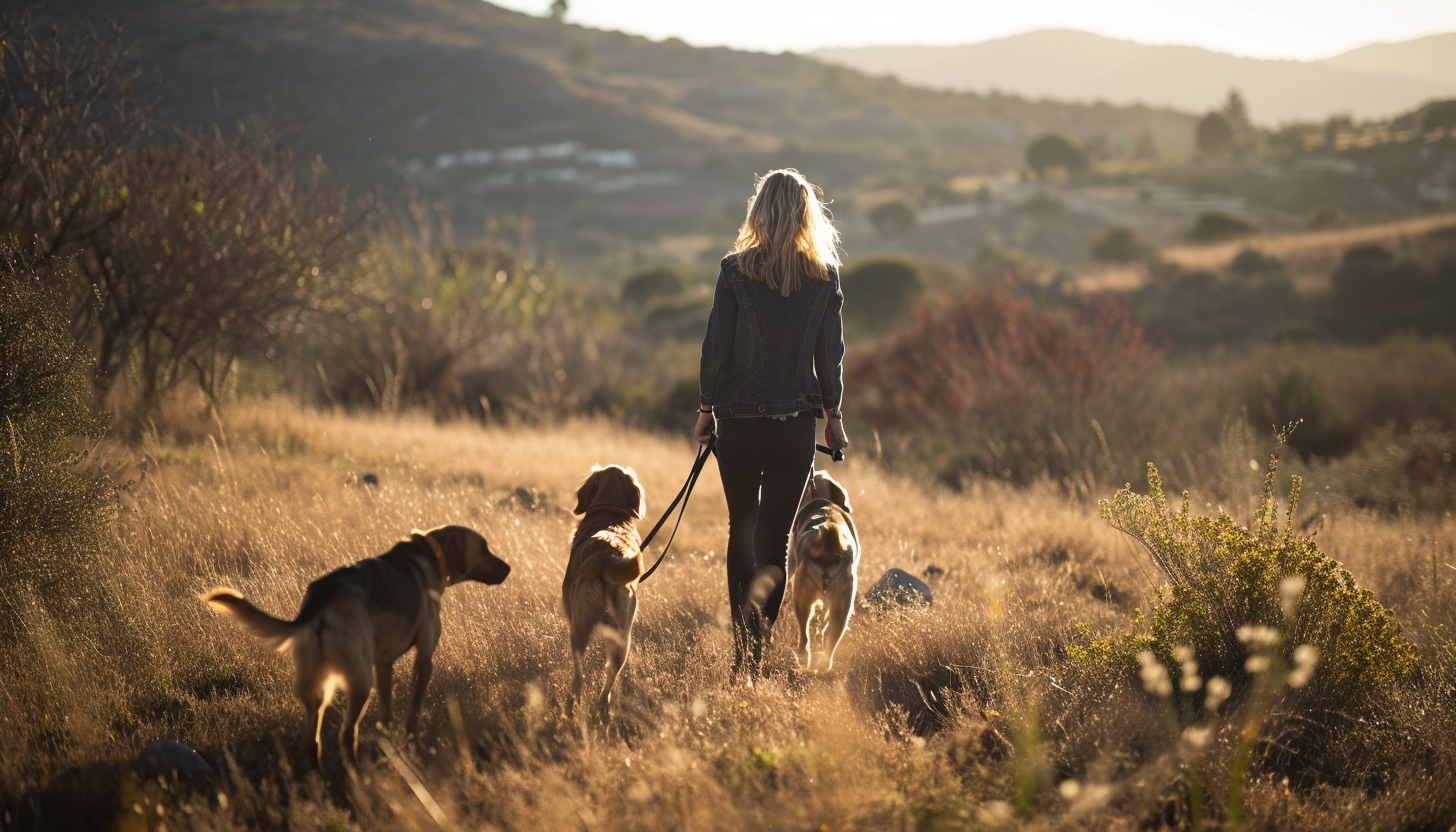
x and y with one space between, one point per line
823 562
600 588
356 620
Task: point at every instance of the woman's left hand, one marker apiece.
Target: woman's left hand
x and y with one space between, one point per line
703 430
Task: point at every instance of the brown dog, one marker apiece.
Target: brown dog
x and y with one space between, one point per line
600 588
356 620
823 561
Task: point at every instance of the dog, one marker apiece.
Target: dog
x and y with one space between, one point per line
357 620
600 587
823 567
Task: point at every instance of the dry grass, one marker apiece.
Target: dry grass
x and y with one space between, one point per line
1311 256
967 714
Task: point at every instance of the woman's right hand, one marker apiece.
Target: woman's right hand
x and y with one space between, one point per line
834 435
703 430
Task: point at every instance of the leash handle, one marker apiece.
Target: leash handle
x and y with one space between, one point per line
837 456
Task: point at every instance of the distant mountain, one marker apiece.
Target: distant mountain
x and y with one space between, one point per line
497 111
1376 81
1430 58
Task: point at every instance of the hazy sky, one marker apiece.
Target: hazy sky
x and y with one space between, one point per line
1260 28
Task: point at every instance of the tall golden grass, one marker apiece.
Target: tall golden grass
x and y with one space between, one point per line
963 715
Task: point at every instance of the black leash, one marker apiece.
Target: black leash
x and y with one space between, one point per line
686 492
682 497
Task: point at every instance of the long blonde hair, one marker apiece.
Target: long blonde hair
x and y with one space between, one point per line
788 235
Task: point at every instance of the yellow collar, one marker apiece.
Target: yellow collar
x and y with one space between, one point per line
439 555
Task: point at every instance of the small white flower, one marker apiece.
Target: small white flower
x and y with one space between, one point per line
1217 692
1290 588
1306 656
1197 737
1257 635
1154 675
1183 653
1069 789
1257 664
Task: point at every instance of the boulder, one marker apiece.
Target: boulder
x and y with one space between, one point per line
897 586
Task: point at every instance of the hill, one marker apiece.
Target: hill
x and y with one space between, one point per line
1375 81
503 112
1431 58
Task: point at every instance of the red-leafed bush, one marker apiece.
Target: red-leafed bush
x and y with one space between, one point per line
993 384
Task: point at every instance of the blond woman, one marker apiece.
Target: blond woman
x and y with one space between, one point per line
772 362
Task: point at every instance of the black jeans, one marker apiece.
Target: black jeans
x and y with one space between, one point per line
765 464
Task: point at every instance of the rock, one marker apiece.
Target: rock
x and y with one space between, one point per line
369 479
932 572
898 587
171 760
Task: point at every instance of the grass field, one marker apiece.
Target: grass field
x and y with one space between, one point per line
968 714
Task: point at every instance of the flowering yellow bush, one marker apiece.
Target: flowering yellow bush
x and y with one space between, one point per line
1225 578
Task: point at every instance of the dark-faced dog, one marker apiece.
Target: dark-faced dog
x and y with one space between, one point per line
823 562
357 620
600 587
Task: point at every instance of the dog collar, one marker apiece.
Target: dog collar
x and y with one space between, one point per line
439 555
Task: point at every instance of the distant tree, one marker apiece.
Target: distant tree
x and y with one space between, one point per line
1236 111
894 217
558 9
1335 125
1440 116
1146 147
648 285
1056 150
1215 136
1219 227
1120 244
880 290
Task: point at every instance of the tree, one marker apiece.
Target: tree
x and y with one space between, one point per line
1439 116
894 217
1219 227
1120 244
559 9
1056 150
1215 136
880 290
646 286
1236 111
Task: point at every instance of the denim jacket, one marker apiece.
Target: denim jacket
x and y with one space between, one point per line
770 355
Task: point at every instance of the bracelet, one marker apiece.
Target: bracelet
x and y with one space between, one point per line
705 408
833 413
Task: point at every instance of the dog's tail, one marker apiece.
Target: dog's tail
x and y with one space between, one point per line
276 632
622 570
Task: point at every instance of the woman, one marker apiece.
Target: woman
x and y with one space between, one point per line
772 362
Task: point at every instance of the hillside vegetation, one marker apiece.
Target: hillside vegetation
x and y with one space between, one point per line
376 84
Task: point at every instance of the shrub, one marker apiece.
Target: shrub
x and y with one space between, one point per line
991 384
50 515
1056 150
1224 577
891 218
651 284
880 290
1120 244
1220 227
1373 293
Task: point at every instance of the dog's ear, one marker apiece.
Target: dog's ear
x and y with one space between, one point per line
846 540
837 494
825 486
586 493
